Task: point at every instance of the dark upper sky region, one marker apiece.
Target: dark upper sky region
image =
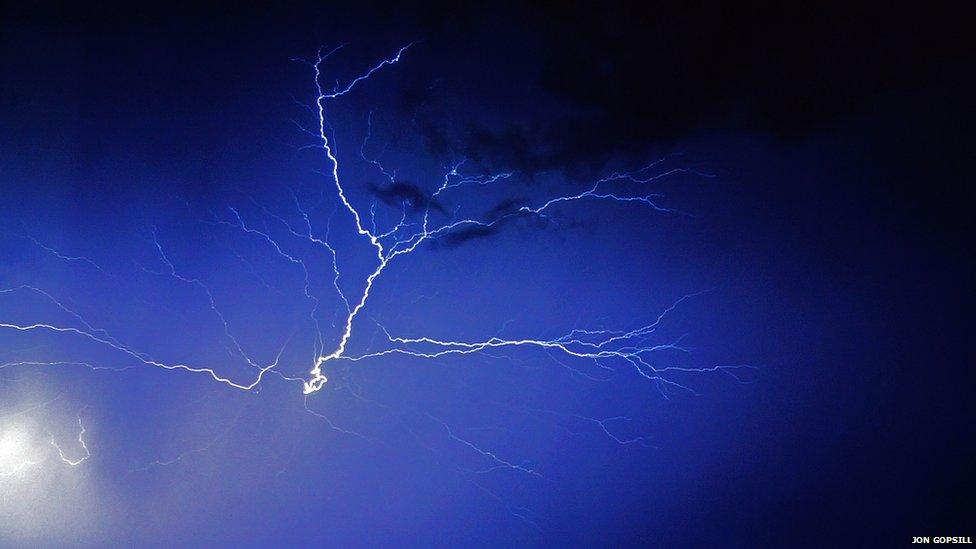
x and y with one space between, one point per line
834 230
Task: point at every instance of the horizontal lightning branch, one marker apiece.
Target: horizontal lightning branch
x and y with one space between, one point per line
15 448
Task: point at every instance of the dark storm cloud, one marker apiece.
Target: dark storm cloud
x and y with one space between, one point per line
404 194
641 76
506 207
498 217
401 193
463 236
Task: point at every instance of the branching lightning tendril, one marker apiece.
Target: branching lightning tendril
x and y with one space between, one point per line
630 347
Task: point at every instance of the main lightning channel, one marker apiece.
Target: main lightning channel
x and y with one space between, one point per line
391 244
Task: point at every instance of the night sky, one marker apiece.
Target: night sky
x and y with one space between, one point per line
801 251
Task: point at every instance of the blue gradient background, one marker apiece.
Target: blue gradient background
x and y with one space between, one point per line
837 261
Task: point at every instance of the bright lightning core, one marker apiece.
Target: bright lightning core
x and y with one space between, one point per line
14 451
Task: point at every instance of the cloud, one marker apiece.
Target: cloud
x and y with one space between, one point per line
625 79
404 194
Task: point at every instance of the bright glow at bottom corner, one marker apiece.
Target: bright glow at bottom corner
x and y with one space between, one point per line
14 450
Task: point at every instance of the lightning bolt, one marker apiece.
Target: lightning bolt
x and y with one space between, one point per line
392 243
81 443
13 471
16 444
424 225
